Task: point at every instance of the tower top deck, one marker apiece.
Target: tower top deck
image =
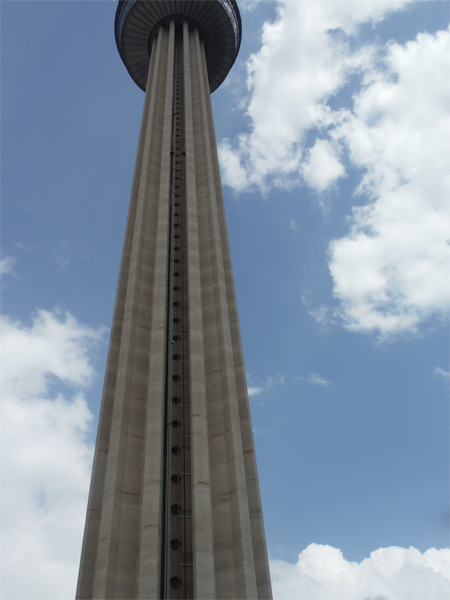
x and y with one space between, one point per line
218 22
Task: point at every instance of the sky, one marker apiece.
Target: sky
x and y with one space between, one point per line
333 135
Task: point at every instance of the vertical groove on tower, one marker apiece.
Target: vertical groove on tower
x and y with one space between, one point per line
151 518
177 558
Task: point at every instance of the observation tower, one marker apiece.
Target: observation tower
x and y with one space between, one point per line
174 506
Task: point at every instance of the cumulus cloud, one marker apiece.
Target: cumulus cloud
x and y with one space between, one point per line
46 453
304 60
390 271
322 572
322 166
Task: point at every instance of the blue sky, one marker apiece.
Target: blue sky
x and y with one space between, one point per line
333 138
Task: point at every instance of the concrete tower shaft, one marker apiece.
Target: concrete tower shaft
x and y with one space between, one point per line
174 508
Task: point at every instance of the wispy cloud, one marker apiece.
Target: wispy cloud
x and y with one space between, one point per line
323 315
63 255
258 389
254 390
315 379
248 5
442 372
25 208
7 265
293 224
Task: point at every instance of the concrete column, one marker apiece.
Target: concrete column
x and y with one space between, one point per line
204 570
127 462
254 498
122 547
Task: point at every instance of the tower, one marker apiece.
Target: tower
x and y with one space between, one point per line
174 508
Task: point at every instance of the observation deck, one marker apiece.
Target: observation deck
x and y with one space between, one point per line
217 21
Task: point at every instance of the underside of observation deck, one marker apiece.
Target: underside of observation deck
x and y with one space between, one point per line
217 21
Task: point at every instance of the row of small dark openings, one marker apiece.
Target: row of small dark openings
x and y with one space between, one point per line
175 582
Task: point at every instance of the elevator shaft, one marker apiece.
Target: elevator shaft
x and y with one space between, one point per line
177 559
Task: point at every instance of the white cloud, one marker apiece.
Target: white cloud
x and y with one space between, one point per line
442 372
254 390
46 453
391 272
321 315
257 390
322 167
63 254
305 58
315 379
7 265
293 224
322 573
232 171
56 345
248 5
